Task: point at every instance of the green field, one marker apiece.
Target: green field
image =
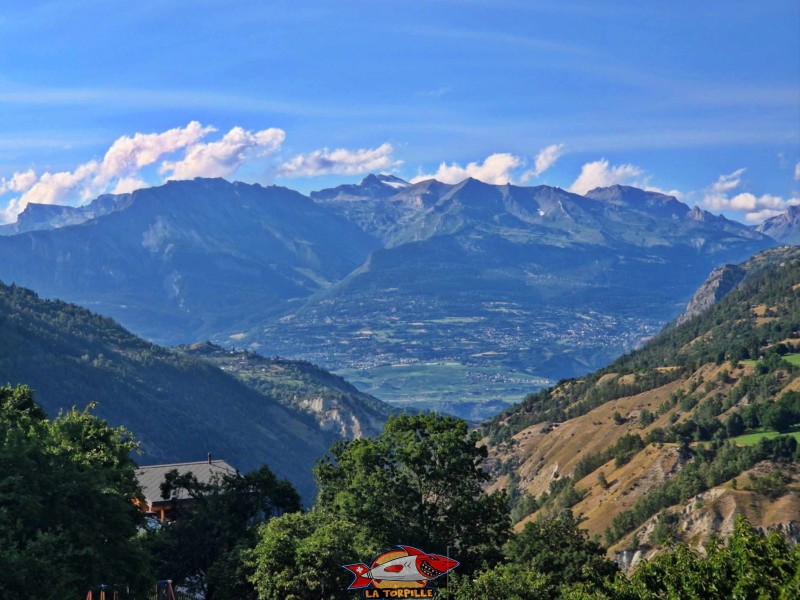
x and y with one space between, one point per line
792 359
432 383
748 439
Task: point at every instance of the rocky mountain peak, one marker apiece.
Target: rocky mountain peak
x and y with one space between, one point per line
371 187
54 216
784 227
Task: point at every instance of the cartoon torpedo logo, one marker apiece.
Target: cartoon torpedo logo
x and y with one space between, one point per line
405 568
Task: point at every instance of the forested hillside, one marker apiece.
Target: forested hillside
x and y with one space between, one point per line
338 407
672 441
180 407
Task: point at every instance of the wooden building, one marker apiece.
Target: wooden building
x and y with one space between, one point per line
151 477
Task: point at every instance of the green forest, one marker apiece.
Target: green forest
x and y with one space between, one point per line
68 524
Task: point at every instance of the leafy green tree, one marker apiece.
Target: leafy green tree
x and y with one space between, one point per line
67 518
203 549
560 551
542 560
299 556
646 417
734 425
507 581
779 417
664 529
748 566
418 483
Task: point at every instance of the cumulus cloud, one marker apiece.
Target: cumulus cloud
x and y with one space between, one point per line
19 182
754 208
52 188
117 171
545 159
339 162
496 169
601 174
120 170
225 156
127 155
797 172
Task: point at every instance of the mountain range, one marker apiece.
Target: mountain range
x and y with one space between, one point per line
427 293
190 259
480 289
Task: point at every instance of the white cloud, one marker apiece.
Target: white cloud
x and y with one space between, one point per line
600 174
754 208
117 171
120 170
545 159
52 188
128 155
19 182
225 156
496 169
340 162
747 202
10 212
726 183
797 172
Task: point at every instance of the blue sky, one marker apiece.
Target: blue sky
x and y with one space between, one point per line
697 98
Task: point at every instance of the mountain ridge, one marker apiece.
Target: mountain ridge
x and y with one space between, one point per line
468 291
189 258
488 274
784 227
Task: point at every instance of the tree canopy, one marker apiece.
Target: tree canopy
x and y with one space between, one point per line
67 518
419 483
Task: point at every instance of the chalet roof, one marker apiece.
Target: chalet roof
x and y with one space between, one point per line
151 477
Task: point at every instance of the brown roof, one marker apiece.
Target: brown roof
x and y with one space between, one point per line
151 477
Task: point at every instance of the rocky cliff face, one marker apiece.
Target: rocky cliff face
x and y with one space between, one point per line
339 409
727 278
343 416
719 284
